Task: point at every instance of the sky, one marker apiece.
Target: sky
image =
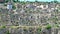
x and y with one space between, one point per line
39 0
45 0
58 0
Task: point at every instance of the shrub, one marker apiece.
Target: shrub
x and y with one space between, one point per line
48 26
7 32
3 26
5 4
56 25
39 30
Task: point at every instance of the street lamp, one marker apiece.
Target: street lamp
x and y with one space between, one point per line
9 7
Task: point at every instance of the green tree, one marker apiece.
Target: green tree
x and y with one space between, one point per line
6 1
55 1
15 0
13 7
39 30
